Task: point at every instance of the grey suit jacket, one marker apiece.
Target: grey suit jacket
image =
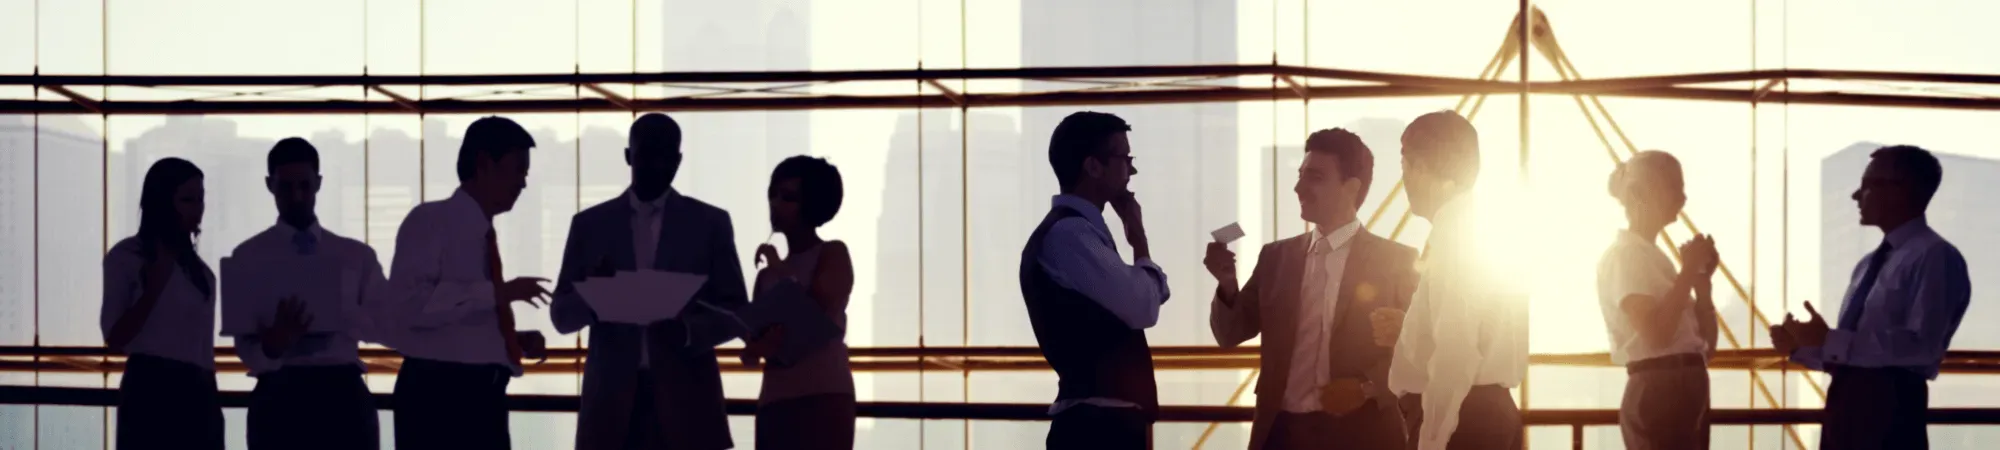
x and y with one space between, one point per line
1380 274
687 382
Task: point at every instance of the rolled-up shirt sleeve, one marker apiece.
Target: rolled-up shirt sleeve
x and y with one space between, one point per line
1078 258
420 297
1939 300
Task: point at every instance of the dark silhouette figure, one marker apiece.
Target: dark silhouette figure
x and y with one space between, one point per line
1897 317
1314 298
807 404
1089 309
159 310
1464 343
655 386
454 323
309 392
1661 320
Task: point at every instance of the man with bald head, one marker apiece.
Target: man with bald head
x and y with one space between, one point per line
655 386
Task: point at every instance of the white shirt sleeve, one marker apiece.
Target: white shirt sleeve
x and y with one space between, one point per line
1076 257
122 278
420 297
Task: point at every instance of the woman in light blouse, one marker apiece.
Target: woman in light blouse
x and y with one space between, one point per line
159 310
1661 320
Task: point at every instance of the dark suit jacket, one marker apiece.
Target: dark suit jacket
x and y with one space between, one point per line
1380 273
687 382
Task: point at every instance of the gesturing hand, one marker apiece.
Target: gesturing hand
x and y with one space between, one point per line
1221 263
524 289
1811 333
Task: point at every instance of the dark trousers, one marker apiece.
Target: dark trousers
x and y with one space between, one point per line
1666 404
643 432
1487 420
167 404
313 407
451 405
1369 428
816 422
1092 427
1870 408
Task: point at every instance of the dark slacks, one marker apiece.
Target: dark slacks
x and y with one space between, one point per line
643 432
167 404
1871 408
312 407
1092 427
816 422
1369 428
1665 405
1487 420
451 405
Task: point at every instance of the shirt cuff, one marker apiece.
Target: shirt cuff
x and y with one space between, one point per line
1811 357
1839 347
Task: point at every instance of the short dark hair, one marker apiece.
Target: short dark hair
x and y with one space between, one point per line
291 150
1454 145
1917 165
657 128
1079 137
494 137
819 187
1353 156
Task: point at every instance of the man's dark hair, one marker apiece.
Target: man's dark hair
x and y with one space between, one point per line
491 136
820 189
1348 152
1079 137
1453 145
1918 166
291 150
657 128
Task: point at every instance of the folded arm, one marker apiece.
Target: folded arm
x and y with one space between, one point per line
1077 258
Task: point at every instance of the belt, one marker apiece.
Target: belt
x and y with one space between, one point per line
1675 361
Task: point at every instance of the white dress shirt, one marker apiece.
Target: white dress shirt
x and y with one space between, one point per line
182 324
1079 254
361 272
1634 266
443 306
1326 264
646 243
1467 324
1919 298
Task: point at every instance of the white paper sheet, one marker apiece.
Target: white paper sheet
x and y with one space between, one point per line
253 287
640 297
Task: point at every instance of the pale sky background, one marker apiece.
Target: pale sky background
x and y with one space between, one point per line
1574 219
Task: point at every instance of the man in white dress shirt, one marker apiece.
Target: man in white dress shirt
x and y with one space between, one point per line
1089 309
453 316
1325 374
1464 342
309 393
1898 316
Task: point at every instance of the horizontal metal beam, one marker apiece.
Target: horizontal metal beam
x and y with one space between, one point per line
34 395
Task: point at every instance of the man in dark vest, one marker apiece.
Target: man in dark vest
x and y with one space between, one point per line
1319 300
1089 308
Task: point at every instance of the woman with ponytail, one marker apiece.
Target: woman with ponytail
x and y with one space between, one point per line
159 310
1661 319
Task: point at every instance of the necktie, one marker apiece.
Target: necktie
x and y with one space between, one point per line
1850 315
305 242
505 309
1316 287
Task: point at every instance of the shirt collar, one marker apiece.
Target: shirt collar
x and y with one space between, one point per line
632 198
317 232
1338 237
464 203
1089 211
1909 231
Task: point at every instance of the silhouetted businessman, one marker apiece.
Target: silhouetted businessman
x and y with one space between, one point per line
656 386
1465 341
1897 318
1313 297
309 391
453 316
1089 309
